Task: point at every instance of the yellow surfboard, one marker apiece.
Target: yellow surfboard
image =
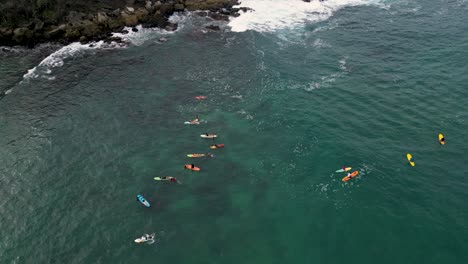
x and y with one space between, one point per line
441 139
410 159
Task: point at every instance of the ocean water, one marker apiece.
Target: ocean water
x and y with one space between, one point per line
294 93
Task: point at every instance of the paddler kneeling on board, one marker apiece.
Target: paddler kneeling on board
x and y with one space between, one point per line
196 120
209 155
191 166
169 178
209 135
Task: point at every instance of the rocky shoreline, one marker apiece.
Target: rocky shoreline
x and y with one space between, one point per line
99 22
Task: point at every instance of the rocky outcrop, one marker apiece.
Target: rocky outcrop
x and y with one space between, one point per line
213 27
80 22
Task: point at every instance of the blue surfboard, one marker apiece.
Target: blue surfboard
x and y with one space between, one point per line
143 201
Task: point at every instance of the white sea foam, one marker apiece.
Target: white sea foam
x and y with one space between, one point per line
325 81
57 59
271 15
319 43
143 34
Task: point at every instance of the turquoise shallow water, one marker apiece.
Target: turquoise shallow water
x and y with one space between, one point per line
362 89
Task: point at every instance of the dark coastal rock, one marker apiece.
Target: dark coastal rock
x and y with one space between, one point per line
212 5
245 9
6 33
55 32
134 29
113 39
89 29
213 27
30 22
23 35
202 13
129 20
75 17
72 33
83 40
38 25
171 27
149 6
156 20
179 7
101 19
218 16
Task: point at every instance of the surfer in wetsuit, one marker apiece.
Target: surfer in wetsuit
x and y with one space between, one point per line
196 120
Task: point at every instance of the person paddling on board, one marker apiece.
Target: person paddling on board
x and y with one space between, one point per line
169 178
191 166
196 120
442 139
343 168
209 155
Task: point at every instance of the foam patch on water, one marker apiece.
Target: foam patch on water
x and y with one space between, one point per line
319 43
271 15
143 35
325 81
56 59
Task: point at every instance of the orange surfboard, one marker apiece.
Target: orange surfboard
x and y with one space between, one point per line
217 146
347 178
189 167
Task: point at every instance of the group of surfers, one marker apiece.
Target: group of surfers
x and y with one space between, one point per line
192 166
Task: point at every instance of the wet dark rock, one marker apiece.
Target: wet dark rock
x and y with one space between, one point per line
24 22
218 16
171 27
179 7
245 9
55 32
75 17
213 27
149 5
129 20
89 29
113 39
202 14
101 19
23 35
134 29
83 40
